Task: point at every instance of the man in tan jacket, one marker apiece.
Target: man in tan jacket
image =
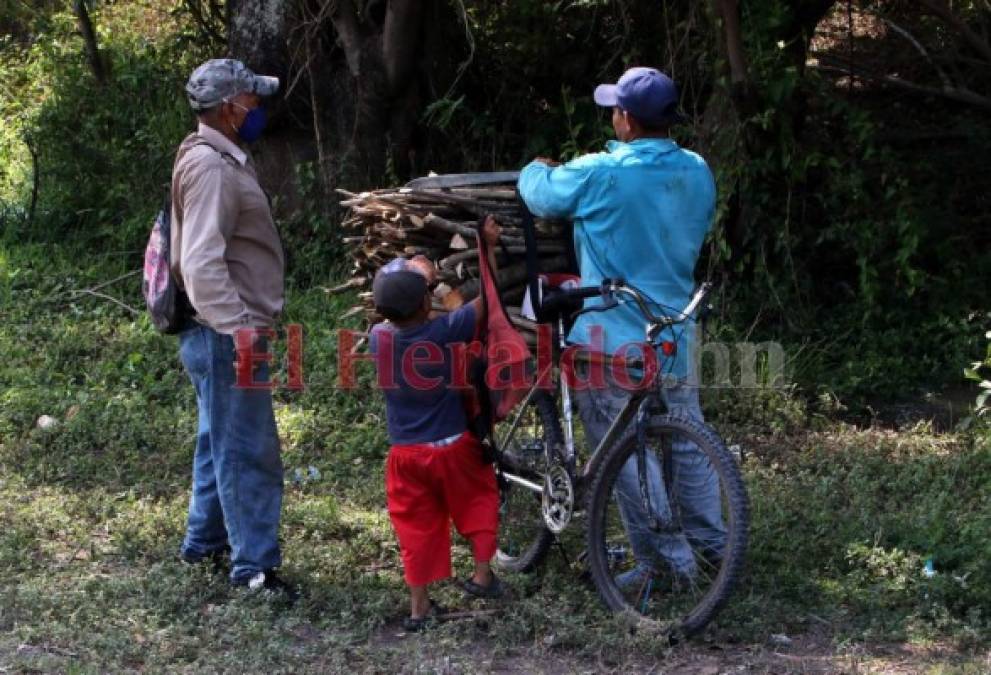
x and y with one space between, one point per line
228 257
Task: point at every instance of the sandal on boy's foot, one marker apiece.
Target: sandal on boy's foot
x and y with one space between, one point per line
428 620
495 590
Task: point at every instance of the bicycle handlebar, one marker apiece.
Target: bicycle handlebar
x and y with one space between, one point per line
562 299
610 288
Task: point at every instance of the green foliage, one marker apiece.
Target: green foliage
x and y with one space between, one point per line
92 509
870 509
842 240
104 153
977 372
310 237
525 95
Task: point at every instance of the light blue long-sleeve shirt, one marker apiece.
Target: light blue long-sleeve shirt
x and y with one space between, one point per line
641 211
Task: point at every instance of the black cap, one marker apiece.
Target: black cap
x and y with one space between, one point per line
398 290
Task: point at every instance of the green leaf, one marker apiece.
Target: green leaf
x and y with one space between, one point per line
982 400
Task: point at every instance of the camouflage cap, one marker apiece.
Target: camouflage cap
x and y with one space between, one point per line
220 79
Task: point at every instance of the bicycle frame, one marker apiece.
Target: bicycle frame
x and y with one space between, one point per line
616 428
636 407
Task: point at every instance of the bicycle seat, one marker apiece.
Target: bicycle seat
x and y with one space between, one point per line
561 280
549 284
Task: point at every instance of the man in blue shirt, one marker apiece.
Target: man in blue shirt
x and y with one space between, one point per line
641 211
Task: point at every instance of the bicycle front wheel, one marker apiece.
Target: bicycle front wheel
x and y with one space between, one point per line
668 523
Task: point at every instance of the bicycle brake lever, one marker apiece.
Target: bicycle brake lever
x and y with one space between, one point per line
609 300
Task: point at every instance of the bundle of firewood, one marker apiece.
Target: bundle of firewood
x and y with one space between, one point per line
441 225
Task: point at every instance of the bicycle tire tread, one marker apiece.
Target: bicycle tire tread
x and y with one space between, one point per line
734 558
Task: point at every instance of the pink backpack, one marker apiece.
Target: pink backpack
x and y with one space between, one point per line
168 305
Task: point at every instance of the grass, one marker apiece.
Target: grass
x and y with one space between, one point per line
92 510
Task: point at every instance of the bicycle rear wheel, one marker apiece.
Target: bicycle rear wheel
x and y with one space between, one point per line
523 537
675 571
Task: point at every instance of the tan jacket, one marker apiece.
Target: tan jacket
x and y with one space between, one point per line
226 250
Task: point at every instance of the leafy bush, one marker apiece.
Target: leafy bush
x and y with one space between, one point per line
103 152
976 373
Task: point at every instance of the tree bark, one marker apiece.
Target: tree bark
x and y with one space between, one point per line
399 42
381 60
35 178
729 12
740 90
257 32
86 29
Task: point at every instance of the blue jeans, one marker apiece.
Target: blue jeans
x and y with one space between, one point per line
237 467
694 481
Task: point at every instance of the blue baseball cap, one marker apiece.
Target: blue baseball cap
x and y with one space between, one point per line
646 93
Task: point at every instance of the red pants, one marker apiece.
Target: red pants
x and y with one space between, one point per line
426 487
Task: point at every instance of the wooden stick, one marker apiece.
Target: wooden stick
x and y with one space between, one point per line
354 282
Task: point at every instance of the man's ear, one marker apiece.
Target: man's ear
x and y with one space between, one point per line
627 120
220 112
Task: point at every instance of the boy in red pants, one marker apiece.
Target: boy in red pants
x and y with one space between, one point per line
435 472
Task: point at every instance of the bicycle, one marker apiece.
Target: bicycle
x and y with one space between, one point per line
543 487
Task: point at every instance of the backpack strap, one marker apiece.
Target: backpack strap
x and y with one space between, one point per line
226 155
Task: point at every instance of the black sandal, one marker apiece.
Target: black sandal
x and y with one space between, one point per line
428 620
494 591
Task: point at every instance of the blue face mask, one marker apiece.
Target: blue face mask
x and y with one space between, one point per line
253 125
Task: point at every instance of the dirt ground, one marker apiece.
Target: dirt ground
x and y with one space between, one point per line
812 653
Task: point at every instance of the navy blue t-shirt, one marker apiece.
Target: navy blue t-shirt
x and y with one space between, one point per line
421 406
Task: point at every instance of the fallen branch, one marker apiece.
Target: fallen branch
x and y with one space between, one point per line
960 94
113 281
355 282
108 298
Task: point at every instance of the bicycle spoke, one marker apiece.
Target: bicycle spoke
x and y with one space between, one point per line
675 560
523 538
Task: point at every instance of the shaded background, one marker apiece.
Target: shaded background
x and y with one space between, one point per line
848 139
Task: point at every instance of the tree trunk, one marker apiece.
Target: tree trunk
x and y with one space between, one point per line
35 178
728 138
731 39
381 59
86 29
351 100
256 34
